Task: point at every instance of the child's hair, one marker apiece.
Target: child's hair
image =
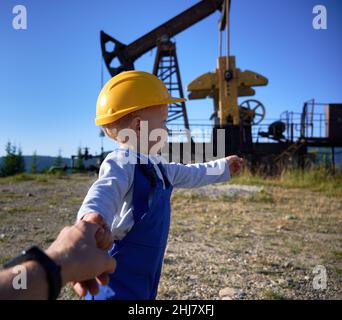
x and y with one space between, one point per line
112 129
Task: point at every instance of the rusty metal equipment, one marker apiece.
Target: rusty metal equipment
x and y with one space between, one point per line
275 131
333 116
317 127
225 85
119 57
287 140
167 69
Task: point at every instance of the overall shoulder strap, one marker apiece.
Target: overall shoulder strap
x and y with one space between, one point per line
145 180
162 170
149 172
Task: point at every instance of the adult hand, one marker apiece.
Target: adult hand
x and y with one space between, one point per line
103 236
75 250
104 240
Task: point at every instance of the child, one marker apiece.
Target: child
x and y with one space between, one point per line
132 193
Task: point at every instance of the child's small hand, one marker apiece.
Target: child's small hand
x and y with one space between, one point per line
103 236
104 240
235 164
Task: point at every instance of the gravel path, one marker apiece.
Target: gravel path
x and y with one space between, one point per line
222 190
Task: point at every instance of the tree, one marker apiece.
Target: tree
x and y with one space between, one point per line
34 163
79 163
20 161
13 162
58 161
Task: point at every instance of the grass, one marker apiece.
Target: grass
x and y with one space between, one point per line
9 195
338 271
269 294
317 179
4 259
39 177
337 254
227 198
261 196
17 178
19 209
24 177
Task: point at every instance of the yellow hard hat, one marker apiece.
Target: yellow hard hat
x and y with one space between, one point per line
128 92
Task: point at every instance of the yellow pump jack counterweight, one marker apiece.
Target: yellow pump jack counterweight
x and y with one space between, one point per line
226 92
225 85
228 83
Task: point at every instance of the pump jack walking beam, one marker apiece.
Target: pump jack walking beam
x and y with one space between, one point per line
127 54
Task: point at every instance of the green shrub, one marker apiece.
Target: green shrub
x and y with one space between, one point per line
13 162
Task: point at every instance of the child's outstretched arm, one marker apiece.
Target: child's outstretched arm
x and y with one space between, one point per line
201 174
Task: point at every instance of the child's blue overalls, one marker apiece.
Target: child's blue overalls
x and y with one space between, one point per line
139 255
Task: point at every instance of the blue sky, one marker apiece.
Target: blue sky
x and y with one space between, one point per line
50 73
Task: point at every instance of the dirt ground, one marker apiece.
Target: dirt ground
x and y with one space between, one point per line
263 244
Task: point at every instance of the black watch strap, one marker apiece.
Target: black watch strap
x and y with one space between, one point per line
52 270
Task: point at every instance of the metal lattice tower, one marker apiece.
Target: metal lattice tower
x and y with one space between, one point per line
166 68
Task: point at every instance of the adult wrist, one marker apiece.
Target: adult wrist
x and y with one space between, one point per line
51 268
60 260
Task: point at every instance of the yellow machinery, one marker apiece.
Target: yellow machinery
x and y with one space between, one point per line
224 85
225 93
228 83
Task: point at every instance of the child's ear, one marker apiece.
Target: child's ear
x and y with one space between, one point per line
107 131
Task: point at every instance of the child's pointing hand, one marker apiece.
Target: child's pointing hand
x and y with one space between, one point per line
235 164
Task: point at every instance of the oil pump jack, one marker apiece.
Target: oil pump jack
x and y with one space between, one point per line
225 85
121 57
